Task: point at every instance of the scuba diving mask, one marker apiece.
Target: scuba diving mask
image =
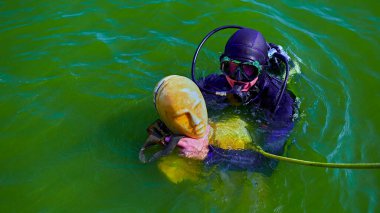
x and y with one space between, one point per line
240 71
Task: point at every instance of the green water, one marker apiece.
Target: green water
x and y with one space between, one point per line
76 81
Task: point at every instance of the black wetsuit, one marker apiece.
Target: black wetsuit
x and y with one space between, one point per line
274 127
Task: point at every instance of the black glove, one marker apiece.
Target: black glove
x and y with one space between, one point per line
159 134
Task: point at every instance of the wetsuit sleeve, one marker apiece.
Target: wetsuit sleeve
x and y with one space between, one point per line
273 142
283 116
238 160
275 131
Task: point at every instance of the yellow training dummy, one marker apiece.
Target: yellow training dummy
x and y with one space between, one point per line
181 106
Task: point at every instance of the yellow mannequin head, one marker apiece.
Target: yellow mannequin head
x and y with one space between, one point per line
181 106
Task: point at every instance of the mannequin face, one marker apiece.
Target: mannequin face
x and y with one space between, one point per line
181 106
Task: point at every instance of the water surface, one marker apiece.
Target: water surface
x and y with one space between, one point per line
76 81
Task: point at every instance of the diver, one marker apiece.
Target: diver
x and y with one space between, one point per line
249 66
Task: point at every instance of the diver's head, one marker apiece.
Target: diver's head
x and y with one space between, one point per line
245 54
181 106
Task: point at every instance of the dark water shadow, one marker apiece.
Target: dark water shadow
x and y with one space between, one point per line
118 140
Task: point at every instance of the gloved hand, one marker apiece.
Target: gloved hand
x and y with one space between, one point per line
195 148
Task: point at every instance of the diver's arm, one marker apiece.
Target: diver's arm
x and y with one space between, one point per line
237 159
270 90
279 125
199 149
273 142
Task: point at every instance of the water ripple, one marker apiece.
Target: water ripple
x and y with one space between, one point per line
319 12
320 96
17 80
286 20
72 15
345 133
171 40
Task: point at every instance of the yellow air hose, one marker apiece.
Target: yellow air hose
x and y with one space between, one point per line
258 149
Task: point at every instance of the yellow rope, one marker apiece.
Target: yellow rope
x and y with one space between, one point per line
319 164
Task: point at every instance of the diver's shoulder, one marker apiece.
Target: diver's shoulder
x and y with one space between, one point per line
274 80
273 84
215 80
215 77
